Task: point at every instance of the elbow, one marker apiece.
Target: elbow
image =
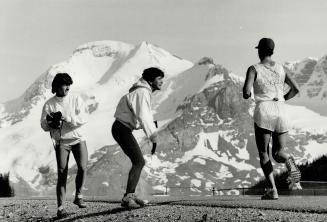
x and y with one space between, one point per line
46 129
44 126
296 90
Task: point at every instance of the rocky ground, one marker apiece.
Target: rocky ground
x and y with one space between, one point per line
211 210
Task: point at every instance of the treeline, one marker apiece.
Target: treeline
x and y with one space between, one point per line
6 190
315 171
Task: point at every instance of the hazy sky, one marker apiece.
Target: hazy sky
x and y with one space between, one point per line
35 34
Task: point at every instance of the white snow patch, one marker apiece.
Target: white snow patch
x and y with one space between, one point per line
183 177
201 161
200 150
160 187
198 175
195 182
314 150
209 184
105 183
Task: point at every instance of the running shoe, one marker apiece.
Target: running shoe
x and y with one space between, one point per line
294 174
270 194
79 202
295 186
61 213
128 201
139 201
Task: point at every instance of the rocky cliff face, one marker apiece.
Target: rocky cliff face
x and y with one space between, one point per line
311 76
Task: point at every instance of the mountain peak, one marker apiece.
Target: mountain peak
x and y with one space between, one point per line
322 63
205 61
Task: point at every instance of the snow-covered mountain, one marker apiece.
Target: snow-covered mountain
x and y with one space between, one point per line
102 72
311 75
206 130
209 140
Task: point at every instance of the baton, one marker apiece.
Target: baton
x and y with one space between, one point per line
154 145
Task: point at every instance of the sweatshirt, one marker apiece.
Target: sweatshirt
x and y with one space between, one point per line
75 115
134 108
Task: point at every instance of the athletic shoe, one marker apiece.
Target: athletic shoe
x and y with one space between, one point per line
139 201
294 174
61 213
295 186
270 194
128 201
79 202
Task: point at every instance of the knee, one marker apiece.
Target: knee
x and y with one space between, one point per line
279 156
62 175
276 157
62 171
139 163
81 169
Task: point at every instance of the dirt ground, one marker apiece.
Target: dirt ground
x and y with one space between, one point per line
13 209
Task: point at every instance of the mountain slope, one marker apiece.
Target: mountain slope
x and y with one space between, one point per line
311 75
206 133
102 72
210 140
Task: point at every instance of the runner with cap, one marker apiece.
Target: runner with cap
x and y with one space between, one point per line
270 120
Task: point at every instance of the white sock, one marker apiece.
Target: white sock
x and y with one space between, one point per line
79 196
60 207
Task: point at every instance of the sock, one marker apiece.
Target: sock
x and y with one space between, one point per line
79 196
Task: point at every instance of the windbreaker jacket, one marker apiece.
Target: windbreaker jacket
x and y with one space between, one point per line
134 109
75 112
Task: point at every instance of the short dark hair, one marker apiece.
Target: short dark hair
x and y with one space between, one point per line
266 52
151 73
59 80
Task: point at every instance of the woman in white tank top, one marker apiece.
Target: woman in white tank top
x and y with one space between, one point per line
270 121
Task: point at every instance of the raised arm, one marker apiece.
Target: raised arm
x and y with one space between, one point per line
249 80
292 84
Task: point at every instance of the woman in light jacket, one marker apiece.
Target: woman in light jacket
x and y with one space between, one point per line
134 112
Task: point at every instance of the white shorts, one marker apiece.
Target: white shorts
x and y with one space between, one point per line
271 115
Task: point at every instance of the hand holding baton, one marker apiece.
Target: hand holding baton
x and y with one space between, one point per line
154 141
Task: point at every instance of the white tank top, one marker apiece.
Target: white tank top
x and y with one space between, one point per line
269 84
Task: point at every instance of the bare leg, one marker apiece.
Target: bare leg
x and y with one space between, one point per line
80 154
278 145
294 175
262 137
62 156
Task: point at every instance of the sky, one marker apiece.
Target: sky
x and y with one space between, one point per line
36 34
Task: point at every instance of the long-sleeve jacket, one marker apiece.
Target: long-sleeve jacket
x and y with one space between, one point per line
134 108
75 116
